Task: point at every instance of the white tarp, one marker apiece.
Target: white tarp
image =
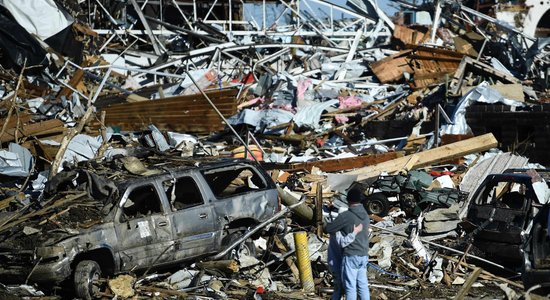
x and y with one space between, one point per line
482 93
311 115
41 18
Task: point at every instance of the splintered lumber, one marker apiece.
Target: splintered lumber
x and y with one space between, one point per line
288 260
409 36
427 65
319 209
430 157
25 129
392 67
468 284
478 68
341 164
226 266
484 274
77 77
162 291
67 139
18 217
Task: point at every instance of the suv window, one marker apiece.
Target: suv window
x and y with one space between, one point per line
183 194
226 182
142 201
504 194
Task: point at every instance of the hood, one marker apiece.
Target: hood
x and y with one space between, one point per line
359 211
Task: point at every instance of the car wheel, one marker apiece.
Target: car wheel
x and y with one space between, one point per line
246 248
86 274
377 204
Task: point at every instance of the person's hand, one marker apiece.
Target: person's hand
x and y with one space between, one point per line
357 228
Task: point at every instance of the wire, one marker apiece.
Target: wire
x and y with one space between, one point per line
377 268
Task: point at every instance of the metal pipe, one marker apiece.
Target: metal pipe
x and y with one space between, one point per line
255 229
100 87
492 20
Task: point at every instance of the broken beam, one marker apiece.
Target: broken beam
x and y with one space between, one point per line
468 284
430 157
340 164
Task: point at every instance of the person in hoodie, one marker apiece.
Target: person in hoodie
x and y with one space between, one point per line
336 244
355 255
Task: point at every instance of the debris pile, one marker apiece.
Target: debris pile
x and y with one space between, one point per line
106 102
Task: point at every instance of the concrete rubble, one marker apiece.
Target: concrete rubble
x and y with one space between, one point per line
424 110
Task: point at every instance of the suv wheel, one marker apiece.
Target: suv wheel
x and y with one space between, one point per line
377 204
86 274
245 248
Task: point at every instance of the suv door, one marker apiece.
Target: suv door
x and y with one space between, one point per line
144 232
191 217
240 192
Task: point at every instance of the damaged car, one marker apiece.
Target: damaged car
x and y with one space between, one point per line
100 221
408 191
508 219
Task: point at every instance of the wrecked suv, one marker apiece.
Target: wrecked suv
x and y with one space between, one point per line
97 226
508 217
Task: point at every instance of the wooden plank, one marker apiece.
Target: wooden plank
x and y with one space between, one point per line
486 274
468 284
432 156
410 164
410 36
392 67
288 260
478 67
341 164
24 118
167 292
77 77
319 209
34 129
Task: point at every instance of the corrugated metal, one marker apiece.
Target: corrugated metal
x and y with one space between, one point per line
182 113
494 165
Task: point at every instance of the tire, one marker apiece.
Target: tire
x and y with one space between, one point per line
86 272
377 204
245 248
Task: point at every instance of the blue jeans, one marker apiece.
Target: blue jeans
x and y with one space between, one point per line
337 279
354 277
336 270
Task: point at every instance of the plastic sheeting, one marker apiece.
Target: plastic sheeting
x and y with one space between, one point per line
482 93
39 17
311 115
263 118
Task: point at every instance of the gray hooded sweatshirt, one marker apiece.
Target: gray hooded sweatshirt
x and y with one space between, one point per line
345 222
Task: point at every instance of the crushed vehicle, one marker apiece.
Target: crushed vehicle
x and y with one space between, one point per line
508 219
98 221
408 192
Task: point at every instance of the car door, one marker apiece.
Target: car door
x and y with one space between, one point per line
144 230
191 217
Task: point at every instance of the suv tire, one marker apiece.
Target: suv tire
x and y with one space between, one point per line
86 272
245 248
377 204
